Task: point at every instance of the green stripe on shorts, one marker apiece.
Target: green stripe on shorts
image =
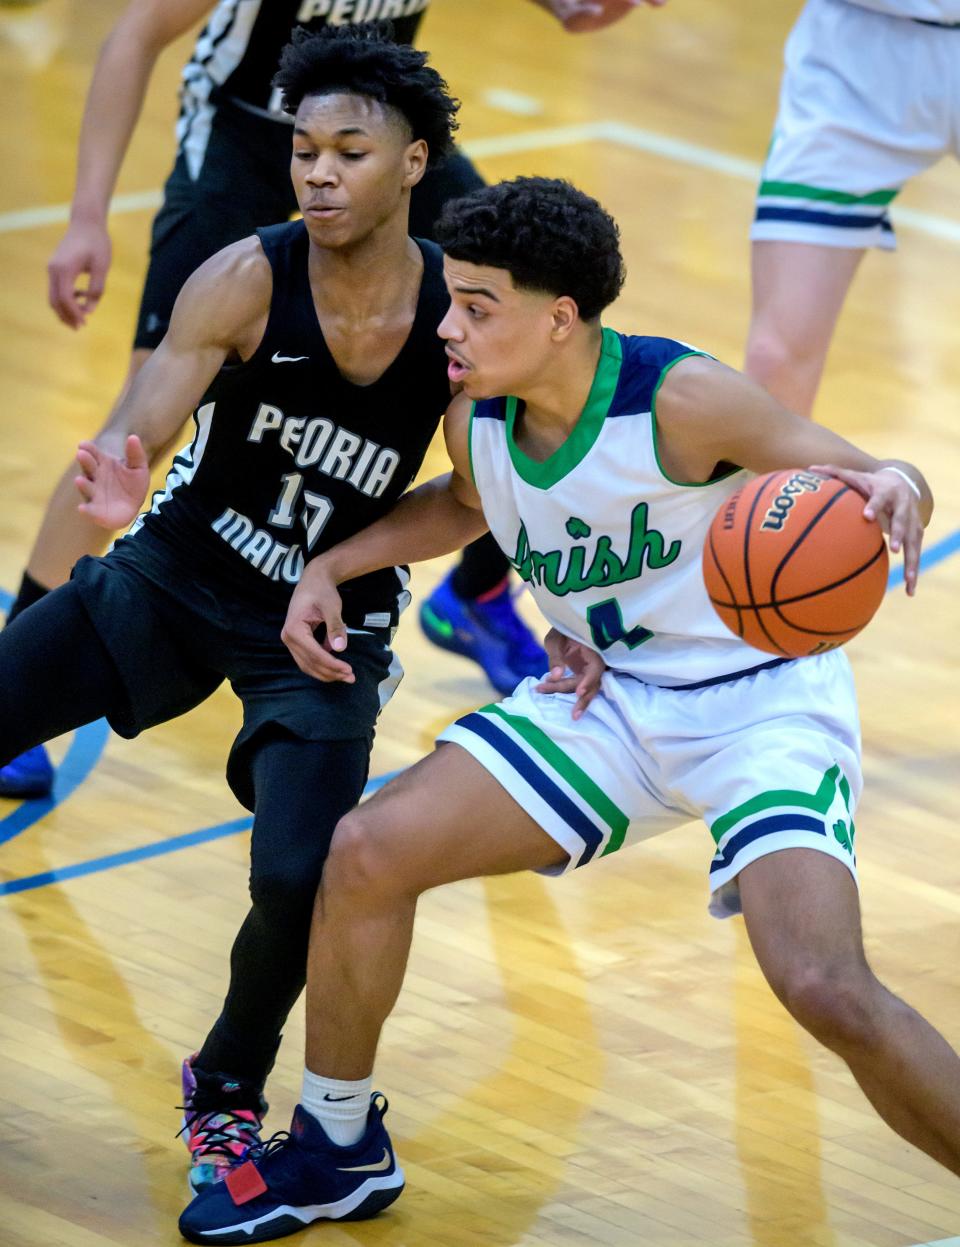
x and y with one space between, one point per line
796 190
576 776
820 801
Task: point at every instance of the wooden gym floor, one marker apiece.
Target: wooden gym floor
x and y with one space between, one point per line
593 1061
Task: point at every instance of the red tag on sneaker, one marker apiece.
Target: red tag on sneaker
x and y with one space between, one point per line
244 1183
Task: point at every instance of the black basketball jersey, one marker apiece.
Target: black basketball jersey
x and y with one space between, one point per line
238 51
290 458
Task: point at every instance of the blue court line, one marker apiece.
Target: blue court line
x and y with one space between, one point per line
172 845
933 555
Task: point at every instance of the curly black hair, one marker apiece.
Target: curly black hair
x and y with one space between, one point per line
362 60
548 235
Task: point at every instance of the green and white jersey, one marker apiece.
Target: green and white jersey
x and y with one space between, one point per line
610 546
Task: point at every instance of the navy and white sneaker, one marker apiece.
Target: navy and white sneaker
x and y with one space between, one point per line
294 1179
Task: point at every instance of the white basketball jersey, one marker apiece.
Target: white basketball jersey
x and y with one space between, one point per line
610 546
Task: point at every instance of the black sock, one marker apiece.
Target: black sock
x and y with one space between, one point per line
30 591
482 567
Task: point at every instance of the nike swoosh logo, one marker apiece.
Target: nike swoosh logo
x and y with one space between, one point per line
277 358
377 1168
336 1099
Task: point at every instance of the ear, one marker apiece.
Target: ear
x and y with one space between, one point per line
564 317
414 163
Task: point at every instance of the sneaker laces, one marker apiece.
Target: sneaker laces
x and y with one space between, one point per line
266 1147
218 1132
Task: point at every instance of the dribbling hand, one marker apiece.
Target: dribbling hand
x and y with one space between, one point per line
896 507
112 489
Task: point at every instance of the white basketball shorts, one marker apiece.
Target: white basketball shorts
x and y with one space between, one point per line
867 101
769 761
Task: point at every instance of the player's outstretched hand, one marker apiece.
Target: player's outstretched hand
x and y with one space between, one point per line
574 668
316 603
112 489
84 249
894 500
582 16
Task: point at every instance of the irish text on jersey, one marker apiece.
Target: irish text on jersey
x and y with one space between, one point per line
647 548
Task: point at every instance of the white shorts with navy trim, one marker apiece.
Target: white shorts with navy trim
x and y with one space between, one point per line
867 101
769 761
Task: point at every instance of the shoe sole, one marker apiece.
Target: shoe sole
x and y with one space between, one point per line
26 791
366 1201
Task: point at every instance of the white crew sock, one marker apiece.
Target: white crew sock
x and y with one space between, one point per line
340 1107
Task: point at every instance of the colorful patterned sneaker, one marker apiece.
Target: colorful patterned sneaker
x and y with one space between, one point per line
296 1178
30 775
221 1123
488 630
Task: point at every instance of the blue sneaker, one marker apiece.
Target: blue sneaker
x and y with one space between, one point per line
297 1178
30 775
490 632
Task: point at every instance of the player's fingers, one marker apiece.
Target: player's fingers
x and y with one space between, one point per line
336 632
134 454
87 464
558 684
61 294
97 282
912 546
901 519
85 488
585 695
309 654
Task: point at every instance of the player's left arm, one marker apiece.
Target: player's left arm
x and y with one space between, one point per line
708 414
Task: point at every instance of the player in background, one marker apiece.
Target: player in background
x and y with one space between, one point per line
870 97
600 476
231 176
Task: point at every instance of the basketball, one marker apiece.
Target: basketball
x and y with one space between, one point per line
791 565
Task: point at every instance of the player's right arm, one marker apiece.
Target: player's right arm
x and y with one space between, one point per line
219 316
436 518
113 105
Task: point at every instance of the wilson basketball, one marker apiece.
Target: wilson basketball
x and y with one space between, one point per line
791 565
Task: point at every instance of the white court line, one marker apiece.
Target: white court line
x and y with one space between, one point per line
942 1242
618 132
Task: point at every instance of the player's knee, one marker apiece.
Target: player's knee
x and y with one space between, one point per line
836 1004
284 888
361 868
769 355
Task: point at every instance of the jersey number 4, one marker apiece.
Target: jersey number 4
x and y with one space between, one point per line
317 508
607 626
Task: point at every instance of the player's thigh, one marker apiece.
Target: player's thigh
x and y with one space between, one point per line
444 819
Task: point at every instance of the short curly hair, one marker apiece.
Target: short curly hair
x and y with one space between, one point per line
548 235
363 60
